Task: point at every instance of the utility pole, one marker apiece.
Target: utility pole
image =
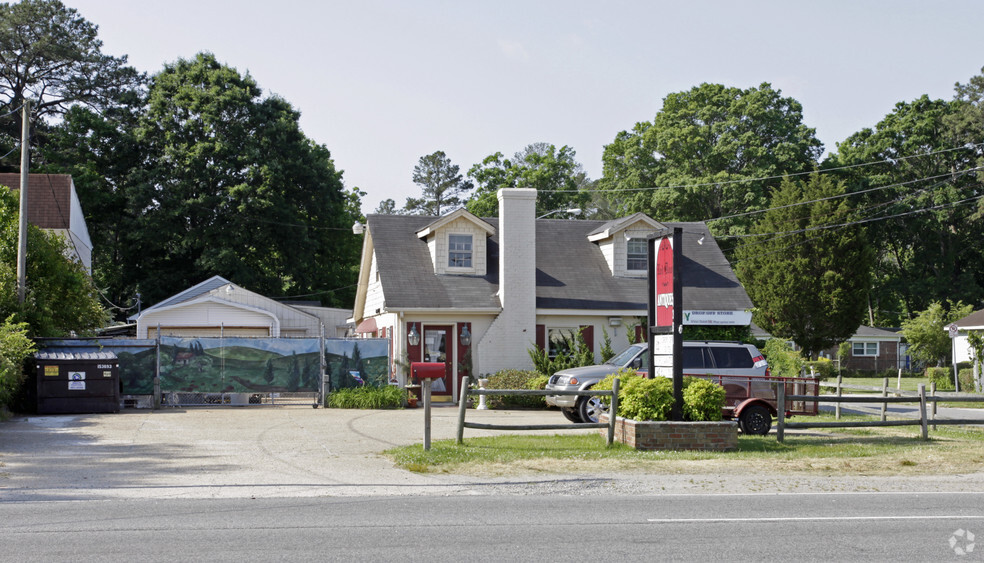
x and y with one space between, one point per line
22 232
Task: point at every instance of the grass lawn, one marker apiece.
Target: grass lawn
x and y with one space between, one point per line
868 451
908 384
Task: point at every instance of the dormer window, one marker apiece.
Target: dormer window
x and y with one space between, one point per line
636 258
459 251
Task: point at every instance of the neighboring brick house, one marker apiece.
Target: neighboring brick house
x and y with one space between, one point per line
873 349
53 205
478 293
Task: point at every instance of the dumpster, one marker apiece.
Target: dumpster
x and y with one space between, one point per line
77 382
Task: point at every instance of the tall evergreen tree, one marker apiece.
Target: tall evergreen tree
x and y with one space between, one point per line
442 185
807 275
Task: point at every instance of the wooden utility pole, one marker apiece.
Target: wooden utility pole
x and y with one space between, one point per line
22 231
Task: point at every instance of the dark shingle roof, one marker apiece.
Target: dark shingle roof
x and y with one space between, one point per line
571 270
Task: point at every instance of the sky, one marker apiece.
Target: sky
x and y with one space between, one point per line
383 83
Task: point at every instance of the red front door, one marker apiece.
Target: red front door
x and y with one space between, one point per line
439 347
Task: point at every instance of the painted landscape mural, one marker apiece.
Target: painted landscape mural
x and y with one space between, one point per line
240 365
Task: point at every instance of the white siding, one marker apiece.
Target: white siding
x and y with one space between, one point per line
437 243
374 292
209 317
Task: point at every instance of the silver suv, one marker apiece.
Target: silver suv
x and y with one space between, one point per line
699 358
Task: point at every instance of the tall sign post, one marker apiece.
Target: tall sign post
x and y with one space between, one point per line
666 312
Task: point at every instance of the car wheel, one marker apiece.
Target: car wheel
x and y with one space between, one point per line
590 408
755 420
571 415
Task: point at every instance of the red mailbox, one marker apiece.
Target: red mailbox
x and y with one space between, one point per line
427 370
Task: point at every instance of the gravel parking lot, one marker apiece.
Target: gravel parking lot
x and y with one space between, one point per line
298 452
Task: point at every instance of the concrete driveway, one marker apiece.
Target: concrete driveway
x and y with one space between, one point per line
259 452
228 452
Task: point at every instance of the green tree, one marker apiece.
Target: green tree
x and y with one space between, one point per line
231 186
704 147
53 56
387 207
442 185
915 197
15 346
558 178
100 151
926 332
60 296
808 278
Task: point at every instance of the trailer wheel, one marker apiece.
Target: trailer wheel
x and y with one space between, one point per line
756 420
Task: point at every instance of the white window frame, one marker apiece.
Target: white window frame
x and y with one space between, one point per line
629 255
865 349
470 252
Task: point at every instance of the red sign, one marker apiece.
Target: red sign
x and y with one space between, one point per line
664 283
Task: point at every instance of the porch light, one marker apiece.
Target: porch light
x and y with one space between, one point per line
465 337
413 337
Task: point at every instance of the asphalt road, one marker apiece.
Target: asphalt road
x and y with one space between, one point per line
787 527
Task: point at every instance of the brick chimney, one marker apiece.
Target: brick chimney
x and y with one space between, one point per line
513 332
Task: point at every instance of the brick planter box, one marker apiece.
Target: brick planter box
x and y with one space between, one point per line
664 435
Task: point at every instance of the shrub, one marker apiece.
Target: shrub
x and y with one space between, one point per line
702 399
783 360
574 353
823 367
15 347
515 379
652 399
966 377
639 398
943 377
368 397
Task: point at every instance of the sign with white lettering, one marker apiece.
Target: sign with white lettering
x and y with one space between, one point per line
664 283
730 318
76 385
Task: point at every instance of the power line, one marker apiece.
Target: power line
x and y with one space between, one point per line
969 146
896 185
869 220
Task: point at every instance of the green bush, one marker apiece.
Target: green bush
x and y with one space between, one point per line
942 377
639 398
515 379
783 360
368 397
966 377
574 353
823 367
702 399
15 347
652 399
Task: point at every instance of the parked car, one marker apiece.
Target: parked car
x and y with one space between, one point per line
740 368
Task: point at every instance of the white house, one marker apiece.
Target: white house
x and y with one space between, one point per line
476 294
53 205
218 307
973 322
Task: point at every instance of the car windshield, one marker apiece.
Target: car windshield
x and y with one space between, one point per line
626 356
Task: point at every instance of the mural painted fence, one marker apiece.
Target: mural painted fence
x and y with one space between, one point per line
238 371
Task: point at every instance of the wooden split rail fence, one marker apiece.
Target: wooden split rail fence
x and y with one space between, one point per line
924 421
466 391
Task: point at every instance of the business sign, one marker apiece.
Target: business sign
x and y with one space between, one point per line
664 282
662 355
728 318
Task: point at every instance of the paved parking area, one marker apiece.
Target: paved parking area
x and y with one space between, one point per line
275 452
227 452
